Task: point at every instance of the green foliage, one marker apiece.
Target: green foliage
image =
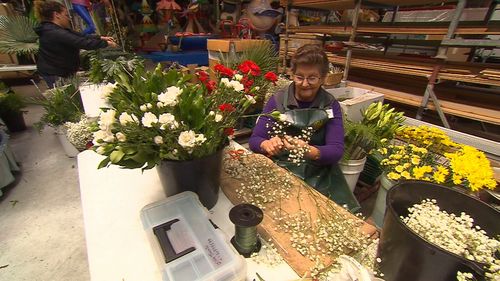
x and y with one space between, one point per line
10 102
359 139
379 125
263 55
110 69
17 35
63 105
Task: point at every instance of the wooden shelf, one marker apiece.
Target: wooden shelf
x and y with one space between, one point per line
471 73
409 29
449 107
349 4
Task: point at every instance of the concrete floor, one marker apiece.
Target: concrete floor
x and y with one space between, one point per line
42 234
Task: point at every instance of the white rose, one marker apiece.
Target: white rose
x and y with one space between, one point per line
109 138
99 135
187 139
143 108
166 118
126 118
250 99
107 118
237 86
257 88
149 119
211 113
158 140
175 151
169 97
238 77
121 137
149 105
174 125
218 118
100 150
160 104
200 138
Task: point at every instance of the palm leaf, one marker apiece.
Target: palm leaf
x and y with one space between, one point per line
17 35
263 55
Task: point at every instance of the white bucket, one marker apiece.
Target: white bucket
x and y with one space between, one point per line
92 99
351 170
68 148
379 208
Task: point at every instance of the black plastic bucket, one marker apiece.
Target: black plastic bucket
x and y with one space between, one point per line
406 256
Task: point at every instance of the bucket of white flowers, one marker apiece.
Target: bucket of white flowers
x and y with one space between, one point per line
434 232
159 119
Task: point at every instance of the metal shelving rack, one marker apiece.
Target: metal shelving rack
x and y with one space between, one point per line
449 33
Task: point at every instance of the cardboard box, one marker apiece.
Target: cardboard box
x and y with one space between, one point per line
228 46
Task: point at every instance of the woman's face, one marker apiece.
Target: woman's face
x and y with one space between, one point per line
307 80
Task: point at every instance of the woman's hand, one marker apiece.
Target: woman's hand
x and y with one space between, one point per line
272 146
312 153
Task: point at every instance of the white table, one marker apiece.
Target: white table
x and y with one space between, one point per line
117 245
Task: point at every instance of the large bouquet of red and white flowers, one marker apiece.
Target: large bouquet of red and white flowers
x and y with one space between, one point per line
160 115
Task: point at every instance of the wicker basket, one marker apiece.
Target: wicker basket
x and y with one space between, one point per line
333 79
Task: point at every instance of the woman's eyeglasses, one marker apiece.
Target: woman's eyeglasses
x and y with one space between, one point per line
312 80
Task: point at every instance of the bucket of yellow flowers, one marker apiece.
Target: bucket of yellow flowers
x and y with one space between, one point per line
464 167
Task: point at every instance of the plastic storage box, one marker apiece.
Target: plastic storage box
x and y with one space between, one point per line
186 244
354 100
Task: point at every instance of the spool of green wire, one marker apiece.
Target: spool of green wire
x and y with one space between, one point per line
245 218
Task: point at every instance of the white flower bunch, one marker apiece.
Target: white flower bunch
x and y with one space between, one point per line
268 255
236 85
258 188
456 234
79 134
300 143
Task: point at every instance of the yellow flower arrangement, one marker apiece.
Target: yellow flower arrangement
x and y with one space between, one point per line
467 166
409 162
427 138
471 168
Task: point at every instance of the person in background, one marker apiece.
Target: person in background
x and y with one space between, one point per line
81 7
59 52
307 105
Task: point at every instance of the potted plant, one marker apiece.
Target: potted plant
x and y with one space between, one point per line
11 105
379 124
161 120
17 36
104 73
61 105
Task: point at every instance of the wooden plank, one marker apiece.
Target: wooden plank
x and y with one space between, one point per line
325 29
302 198
453 108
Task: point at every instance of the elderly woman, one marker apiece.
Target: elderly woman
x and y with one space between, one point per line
307 105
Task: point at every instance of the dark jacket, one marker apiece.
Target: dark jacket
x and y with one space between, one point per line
59 52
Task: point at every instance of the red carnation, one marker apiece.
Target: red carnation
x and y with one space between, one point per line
226 107
225 71
271 76
203 76
247 82
249 66
229 131
210 85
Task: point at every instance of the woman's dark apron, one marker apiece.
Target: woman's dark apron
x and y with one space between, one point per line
327 179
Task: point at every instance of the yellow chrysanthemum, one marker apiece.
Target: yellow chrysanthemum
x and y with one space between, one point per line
415 160
399 169
393 176
406 175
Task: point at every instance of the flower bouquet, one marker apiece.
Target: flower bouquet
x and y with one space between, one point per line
159 116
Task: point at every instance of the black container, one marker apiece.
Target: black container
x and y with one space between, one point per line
406 256
14 121
201 176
